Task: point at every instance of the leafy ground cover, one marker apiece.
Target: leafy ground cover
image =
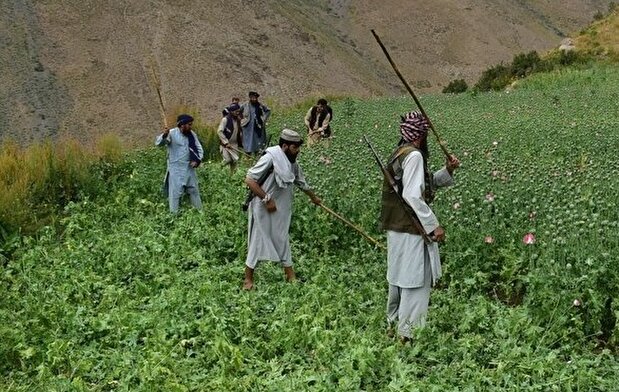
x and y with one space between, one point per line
127 297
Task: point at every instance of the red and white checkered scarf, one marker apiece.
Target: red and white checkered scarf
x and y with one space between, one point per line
413 126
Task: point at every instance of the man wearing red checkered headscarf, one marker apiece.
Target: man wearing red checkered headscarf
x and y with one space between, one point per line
412 265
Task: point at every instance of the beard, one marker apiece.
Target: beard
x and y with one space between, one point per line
291 157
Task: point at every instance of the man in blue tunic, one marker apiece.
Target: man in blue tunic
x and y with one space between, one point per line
254 121
185 154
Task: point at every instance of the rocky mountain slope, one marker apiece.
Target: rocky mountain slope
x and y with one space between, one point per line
82 68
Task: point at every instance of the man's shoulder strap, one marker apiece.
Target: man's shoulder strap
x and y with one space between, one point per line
401 152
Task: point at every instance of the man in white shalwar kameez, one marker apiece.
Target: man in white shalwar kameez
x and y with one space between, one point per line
271 180
185 154
412 265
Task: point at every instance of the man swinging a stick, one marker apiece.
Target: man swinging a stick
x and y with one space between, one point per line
413 261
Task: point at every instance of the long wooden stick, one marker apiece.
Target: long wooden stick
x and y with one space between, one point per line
237 150
410 91
349 223
157 85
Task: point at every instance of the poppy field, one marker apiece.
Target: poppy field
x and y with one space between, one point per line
126 297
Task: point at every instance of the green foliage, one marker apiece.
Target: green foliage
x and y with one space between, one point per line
209 140
456 86
494 78
563 58
594 45
128 297
40 180
523 65
526 64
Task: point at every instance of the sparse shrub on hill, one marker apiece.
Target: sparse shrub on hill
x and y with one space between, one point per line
494 78
526 64
594 44
564 58
456 86
523 64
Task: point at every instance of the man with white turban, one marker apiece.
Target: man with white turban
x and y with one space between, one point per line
412 265
271 180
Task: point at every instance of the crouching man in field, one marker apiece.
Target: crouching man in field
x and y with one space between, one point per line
412 265
271 180
185 154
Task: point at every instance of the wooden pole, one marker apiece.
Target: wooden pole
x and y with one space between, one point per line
237 150
157 86
346 221
410 91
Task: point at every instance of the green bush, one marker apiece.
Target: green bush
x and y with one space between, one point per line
494 78
456 86
526 64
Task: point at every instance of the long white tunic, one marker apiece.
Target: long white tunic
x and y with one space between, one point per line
405 254
268 237
251 140
180 174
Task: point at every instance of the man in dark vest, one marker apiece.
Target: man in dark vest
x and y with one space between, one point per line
412 265
231 136
317 122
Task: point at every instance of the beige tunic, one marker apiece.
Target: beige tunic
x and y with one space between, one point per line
228 154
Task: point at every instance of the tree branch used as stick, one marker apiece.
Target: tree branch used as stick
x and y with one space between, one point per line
410 91
349 223
157 86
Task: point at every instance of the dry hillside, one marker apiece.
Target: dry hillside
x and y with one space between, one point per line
82 67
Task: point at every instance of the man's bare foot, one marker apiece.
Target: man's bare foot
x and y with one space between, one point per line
248 285
290 275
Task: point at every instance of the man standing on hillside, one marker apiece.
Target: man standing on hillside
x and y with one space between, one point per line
185 154
317 121
271 180
230 136
235 100
254 121
412 265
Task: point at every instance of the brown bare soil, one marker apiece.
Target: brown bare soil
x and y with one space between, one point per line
83 68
